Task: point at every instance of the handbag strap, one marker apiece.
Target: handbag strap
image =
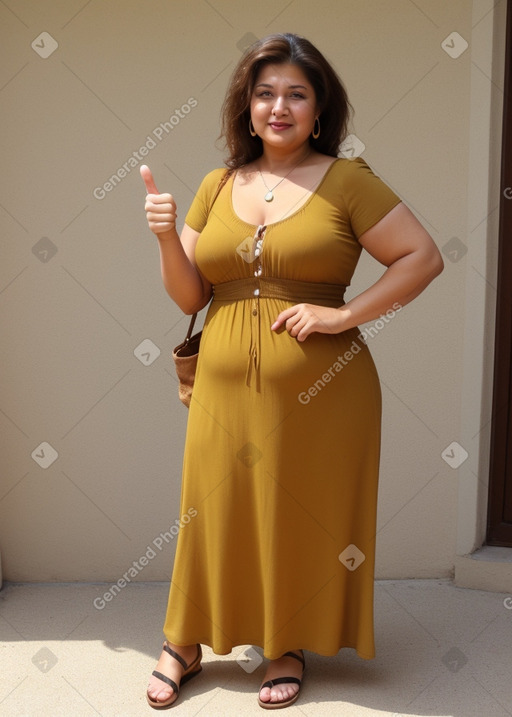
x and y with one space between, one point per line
222 182
190 328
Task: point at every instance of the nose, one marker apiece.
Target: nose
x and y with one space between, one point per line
279 107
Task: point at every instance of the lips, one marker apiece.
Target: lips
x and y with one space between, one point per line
279 125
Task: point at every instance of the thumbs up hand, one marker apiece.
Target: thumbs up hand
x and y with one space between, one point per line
160 208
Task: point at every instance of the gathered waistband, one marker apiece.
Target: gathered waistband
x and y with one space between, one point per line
277 288
260 287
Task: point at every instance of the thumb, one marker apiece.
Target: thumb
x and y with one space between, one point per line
147 177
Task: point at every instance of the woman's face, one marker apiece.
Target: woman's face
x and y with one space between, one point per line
283 106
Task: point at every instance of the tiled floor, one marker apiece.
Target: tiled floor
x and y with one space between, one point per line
441 650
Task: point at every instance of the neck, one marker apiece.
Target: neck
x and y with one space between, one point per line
274 160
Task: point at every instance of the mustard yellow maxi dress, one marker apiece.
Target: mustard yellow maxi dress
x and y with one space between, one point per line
283 439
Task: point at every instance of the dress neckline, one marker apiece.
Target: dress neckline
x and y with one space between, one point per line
293 214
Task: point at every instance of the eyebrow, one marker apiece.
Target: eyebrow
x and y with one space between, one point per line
290 87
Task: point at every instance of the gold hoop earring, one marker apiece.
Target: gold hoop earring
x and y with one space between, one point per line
316 132
251 129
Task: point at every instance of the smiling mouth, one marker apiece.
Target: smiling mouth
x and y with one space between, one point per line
279 125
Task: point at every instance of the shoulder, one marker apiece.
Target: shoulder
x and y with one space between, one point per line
207 189
350 169
216 174
365 196
211 180
197 214
357 180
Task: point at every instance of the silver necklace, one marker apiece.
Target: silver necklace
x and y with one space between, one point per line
269 196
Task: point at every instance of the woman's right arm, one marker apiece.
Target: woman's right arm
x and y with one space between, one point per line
182 279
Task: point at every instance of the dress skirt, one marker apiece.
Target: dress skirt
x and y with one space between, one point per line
281 459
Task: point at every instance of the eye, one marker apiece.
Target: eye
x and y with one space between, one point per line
264 93
298 95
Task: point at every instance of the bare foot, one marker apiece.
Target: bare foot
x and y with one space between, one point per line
157 689
282 667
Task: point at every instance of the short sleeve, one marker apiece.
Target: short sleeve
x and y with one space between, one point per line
197 214
367 198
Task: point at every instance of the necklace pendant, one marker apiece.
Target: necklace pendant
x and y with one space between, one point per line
268 196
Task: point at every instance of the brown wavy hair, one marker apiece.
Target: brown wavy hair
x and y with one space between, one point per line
331 96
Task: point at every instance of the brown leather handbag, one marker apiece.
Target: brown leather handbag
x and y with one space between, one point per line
185 360
185 355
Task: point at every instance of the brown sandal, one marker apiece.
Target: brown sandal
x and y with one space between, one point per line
280 681
190 671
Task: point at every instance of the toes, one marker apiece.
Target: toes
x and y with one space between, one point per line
278 694
281 694
265 694
160 693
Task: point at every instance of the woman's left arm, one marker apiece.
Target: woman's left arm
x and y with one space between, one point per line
399 242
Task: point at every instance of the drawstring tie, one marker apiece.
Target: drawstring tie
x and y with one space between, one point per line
260 287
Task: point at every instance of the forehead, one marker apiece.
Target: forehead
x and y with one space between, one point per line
282 74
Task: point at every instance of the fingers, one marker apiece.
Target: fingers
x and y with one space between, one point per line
157 203
283 317
302 320
148 180
160 215
160 208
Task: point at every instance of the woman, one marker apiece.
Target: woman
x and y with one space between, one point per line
283 437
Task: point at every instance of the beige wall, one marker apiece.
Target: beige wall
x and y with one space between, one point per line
79 278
